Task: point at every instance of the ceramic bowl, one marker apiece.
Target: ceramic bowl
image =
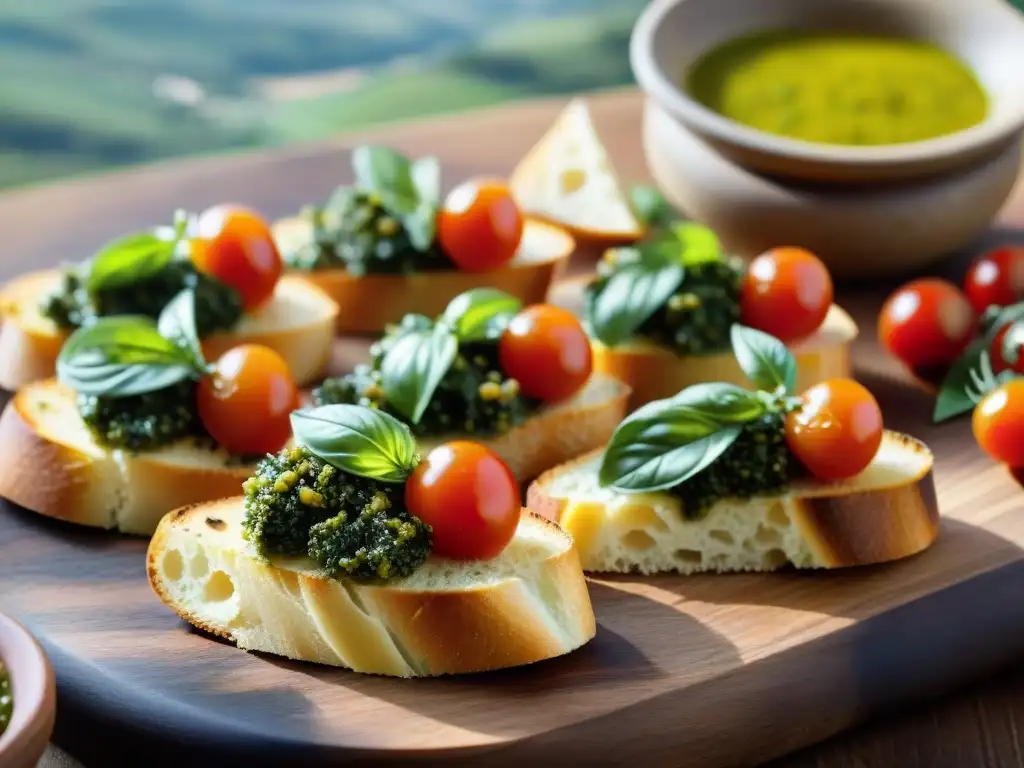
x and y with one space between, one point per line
32 683
867 211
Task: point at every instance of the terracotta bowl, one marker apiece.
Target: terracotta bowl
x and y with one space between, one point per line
867 211
35 701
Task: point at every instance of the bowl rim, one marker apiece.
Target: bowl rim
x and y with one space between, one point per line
34 688
675 100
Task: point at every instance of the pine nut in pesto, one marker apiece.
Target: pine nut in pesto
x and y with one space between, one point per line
6 699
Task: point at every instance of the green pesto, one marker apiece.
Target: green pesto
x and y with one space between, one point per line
758 462
218 306
296 504
143 422
474 397
361 237
6 699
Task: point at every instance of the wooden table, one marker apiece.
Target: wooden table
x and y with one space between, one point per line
970 729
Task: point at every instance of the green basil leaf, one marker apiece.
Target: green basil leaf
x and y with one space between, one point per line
388 174
358 440
421 226
663 444
177 322
412 369
968 380
121 356
128 260
686 243
651 207
725 403
426 178
480 314
632 294
765 360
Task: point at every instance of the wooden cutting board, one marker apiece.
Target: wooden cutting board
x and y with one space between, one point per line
702 671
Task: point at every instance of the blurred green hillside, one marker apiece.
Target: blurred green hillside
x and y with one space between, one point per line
89 84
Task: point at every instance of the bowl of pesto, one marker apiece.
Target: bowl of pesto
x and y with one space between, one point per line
885 132
27 697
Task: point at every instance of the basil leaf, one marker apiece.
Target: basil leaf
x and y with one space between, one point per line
663 444
765 360
388 174
128 260
121 356
358 440
412 369
725 403
632 294
687 244
177 322
421 226
651 207
480 314
426 178
968 380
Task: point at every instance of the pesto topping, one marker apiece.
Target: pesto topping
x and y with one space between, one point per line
6 699
297 504
146 421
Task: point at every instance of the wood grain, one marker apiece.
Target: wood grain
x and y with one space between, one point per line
701 671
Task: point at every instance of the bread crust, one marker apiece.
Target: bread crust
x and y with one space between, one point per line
843 527
427 632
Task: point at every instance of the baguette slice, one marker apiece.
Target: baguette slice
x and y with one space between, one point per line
654 372
369 303
528 604
887 512
298 323
568 178
51 464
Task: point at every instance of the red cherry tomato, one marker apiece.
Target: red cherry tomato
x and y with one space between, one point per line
547 351
480 226
995 353
996 277
468 495
999 423
926 323
837 431
235 246
245 403
787 292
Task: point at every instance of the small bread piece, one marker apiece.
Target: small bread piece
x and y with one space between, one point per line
567 178
53 465
528 604
559 432
655 372
298 323
369 303
887 512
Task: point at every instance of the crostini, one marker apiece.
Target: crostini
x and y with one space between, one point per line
227 256
721 478
386 246
517 379
347 549
659 313
137 422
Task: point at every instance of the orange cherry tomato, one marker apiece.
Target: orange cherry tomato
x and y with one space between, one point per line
996 277
995 353
468 495
235 246
547 351
837 431
245 403
787 292
928 322
999 423
480 226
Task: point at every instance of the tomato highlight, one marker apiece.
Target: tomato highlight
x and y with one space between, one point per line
998 423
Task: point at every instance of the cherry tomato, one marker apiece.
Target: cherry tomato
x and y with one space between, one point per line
786 292
236 246
837 431
480 226
547 351
926 323
996 277
468 495
245 403
995 353
999 423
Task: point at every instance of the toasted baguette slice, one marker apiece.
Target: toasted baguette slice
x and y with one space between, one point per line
298 323
51 464
654 372
887 512
568 178
559 432
528 604
369 303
